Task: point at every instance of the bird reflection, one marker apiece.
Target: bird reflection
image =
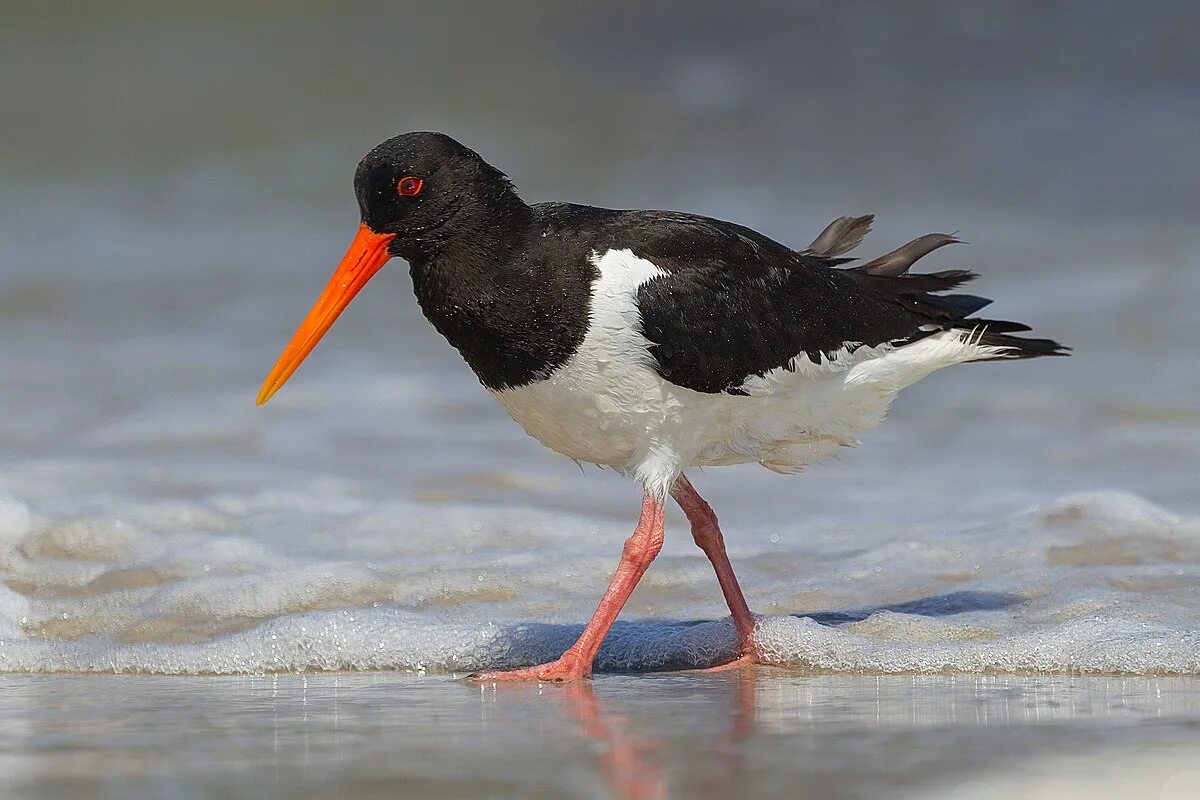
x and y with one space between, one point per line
723 767
632 761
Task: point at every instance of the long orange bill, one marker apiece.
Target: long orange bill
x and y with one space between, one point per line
366 256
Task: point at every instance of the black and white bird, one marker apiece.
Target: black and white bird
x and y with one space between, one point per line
652 342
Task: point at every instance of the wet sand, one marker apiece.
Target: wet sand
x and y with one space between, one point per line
757 734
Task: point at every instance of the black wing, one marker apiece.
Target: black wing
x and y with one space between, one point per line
734 303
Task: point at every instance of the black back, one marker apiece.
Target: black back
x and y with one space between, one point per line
509 285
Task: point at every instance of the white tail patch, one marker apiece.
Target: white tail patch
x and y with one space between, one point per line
903 366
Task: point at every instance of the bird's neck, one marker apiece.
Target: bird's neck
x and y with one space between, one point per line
493 293
469 255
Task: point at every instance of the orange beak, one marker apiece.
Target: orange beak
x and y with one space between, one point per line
366 256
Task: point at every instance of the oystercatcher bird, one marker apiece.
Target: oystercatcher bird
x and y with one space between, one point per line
654 341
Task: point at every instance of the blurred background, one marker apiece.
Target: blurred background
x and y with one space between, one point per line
177 187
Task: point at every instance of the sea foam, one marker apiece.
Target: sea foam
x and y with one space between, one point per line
1090 583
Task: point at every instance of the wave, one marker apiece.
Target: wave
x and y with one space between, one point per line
1101 582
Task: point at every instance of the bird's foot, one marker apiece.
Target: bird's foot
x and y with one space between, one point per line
750 657
561 670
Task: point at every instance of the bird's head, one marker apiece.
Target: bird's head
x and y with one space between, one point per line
420 189
416 193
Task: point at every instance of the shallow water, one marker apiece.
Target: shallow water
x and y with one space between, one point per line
382 512
752 735
177 190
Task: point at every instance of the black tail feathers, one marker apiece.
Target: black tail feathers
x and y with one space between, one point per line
1014 346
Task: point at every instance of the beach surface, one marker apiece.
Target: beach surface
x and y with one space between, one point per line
756 734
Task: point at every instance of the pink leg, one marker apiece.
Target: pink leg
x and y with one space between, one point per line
708 537
640 549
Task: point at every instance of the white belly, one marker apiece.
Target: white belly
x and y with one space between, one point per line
608 406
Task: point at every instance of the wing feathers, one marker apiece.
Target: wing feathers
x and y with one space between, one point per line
841 236
732 303
899 260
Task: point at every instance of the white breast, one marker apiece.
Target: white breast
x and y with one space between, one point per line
606 403
608 406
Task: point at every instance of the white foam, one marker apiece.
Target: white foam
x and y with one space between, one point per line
15 522
13 608
1094 583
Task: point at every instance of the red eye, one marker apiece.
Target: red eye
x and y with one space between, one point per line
410 186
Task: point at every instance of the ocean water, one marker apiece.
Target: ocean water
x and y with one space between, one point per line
172 214
392 735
